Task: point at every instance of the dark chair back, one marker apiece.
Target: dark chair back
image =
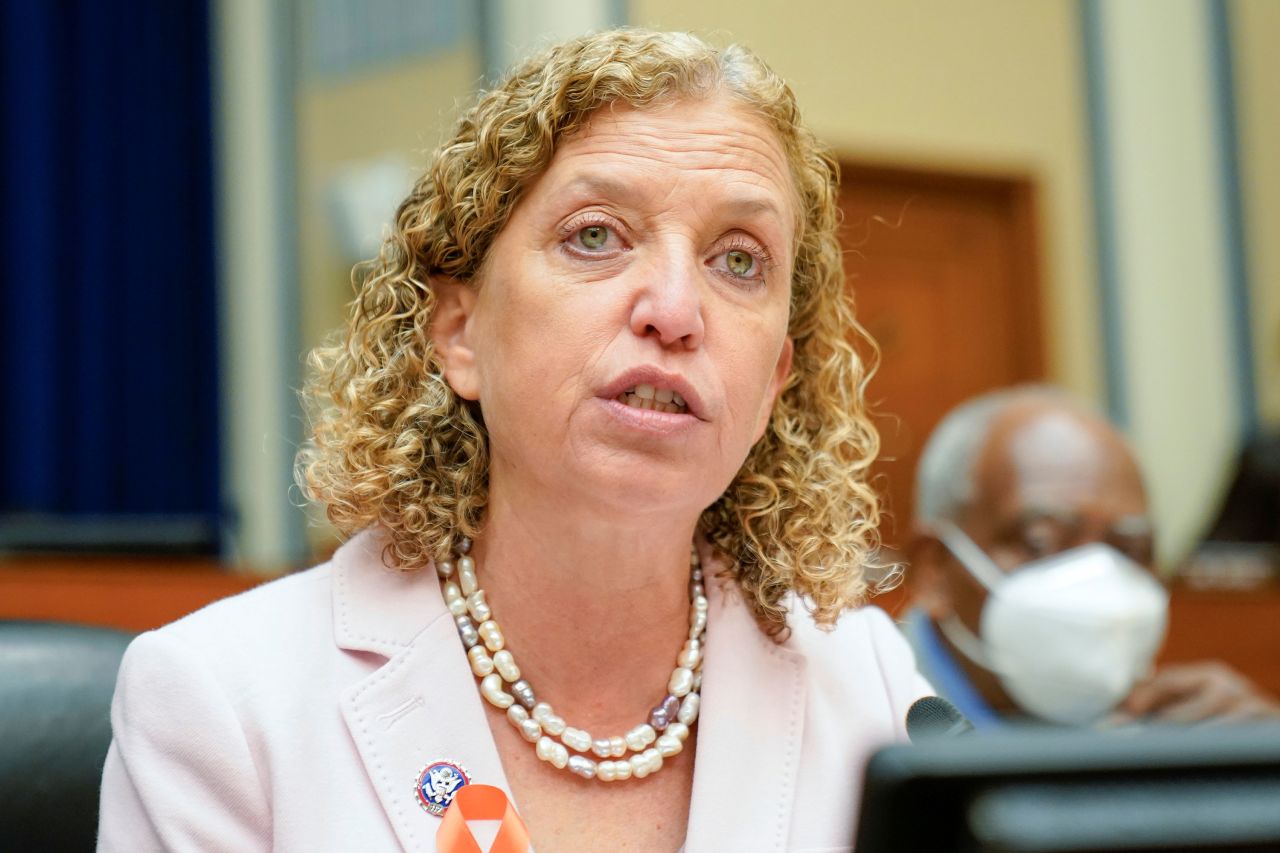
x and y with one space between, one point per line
56 683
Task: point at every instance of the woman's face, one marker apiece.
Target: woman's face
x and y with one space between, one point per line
628 336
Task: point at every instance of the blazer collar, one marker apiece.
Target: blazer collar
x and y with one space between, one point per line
376 608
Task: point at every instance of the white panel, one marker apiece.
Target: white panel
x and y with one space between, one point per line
1171 259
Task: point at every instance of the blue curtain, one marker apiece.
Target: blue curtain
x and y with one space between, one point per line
107 309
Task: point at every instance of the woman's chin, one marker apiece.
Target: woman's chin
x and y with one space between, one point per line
641 487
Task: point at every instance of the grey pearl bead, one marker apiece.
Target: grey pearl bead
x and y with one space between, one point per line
695 590
464 546
467 631
524 694
696 575
661 716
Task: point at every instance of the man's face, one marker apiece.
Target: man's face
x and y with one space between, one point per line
1047 480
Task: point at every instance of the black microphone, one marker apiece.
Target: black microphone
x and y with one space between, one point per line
932 717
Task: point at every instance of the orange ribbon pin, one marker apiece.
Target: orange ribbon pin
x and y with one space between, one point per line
481 802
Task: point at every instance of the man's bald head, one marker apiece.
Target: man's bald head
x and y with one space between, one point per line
945 482
1031 470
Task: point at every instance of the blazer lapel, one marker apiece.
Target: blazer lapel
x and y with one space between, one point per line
422 705
749 733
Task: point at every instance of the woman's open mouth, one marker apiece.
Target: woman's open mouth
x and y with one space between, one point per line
654 399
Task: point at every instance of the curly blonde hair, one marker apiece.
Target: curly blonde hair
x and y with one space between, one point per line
393 446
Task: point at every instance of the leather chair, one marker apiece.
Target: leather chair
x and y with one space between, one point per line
56 683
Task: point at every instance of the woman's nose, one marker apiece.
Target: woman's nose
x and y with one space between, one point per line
668 302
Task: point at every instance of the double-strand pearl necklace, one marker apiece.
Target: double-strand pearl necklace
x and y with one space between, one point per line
636 754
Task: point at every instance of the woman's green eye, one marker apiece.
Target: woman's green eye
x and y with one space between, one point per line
594 236
739 262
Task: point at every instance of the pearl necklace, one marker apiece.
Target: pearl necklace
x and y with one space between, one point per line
636 754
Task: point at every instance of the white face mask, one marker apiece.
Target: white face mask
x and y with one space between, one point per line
1067 635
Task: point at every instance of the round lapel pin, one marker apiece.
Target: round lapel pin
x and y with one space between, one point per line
437 783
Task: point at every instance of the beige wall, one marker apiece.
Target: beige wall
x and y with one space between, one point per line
401 111
995 85
1255 31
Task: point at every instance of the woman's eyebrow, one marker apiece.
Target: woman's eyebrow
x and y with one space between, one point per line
762 212
602 186
749 207
738 206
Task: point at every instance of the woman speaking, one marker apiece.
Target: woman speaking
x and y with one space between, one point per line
595 429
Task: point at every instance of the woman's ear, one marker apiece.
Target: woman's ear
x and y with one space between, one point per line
449 331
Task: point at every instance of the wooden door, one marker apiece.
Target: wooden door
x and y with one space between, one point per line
943 275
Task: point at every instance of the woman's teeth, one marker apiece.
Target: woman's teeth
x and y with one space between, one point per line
657 399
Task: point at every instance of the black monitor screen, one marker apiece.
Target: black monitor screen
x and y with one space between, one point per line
1059 790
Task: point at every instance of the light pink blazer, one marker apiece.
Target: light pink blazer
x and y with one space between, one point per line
298 715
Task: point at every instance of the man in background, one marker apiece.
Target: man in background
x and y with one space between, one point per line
1030 495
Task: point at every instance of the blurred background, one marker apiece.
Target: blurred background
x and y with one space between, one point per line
1082 192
